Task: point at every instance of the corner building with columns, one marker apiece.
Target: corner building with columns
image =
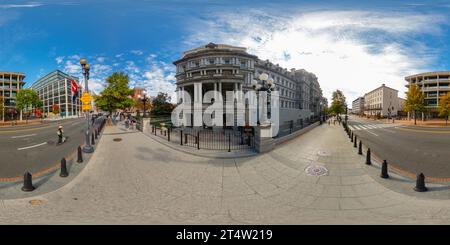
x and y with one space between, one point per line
225 68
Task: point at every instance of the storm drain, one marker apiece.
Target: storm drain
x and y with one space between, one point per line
316 170
117 139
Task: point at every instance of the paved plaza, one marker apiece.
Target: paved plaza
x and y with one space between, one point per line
140 181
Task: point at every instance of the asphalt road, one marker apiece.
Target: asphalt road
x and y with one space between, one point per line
34 148
412 148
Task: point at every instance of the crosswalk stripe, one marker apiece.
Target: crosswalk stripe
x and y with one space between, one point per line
370 126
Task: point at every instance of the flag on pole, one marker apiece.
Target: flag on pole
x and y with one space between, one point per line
75 87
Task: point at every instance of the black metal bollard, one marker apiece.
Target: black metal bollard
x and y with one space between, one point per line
355 141
181 137
420 183
79 155
368 160
168 134
28 182
229 142
63 172
384 170
351 138
93 139
96 133
360 148
198 140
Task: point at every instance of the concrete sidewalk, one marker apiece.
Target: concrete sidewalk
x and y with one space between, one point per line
139 181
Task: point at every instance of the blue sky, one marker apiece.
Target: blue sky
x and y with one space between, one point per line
350 45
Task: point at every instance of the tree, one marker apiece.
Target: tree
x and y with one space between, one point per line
444 107
116 95
27 98
2 108
338 103
414 101
161 104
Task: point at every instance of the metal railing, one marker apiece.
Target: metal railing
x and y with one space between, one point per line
200 138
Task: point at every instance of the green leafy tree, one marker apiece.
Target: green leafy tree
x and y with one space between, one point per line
414 101
444 107
338 103
116 95
161 104
27 98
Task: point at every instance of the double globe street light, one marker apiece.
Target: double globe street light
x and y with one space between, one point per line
87 148
264 83
144 99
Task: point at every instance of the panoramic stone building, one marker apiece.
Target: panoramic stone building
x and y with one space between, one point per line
381 102
224 68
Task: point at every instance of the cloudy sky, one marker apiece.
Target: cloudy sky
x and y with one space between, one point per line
354 46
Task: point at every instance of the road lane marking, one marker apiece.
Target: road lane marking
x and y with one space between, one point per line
351 127
28 147
372 133
22 136
425 131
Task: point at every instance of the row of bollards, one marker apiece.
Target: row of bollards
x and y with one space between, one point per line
28 177
420 179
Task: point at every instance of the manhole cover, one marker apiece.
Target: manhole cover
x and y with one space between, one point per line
316 170
36 202
323 153
117 139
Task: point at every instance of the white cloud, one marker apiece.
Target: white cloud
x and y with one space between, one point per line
59 59
157 80
131 67
137 52
101 59
355 51
29 5
72 68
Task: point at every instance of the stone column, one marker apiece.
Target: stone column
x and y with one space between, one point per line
198 110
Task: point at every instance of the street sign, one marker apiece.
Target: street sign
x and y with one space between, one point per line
86 98
86 107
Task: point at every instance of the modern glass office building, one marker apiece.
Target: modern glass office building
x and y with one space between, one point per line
55 88
10 84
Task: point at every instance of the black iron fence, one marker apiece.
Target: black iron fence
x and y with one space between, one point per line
201 138
290 127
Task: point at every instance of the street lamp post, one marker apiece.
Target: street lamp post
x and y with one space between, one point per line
346 114
87 148
144 99
265 84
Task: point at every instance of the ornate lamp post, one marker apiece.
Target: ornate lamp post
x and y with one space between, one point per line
346 114
144 99
264 84
86 67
